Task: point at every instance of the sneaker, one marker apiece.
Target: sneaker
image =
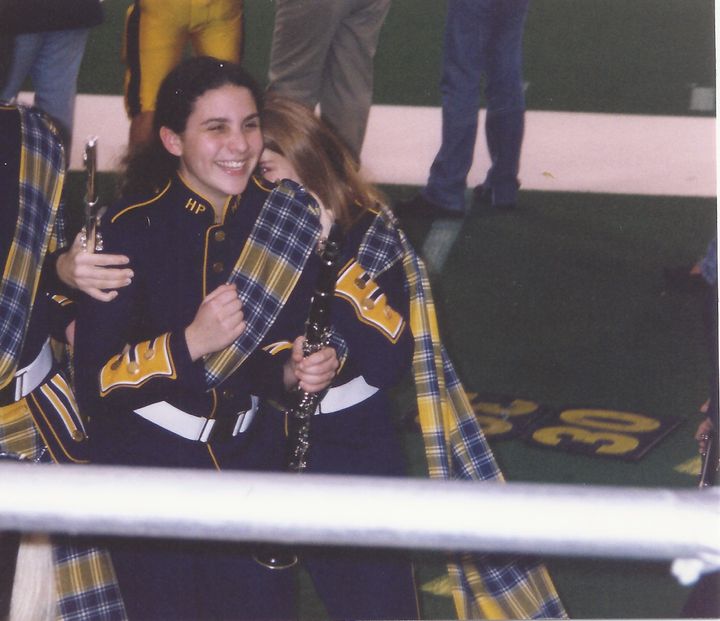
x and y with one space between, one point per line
420 207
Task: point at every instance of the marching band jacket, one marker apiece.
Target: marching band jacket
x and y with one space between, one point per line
132 350
353 431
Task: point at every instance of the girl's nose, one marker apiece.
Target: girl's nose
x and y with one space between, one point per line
237 141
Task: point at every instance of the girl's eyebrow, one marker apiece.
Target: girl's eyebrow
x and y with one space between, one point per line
213 120
222 119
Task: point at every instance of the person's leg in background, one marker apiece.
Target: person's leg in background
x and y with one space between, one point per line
302 35
464 49
505 118
347 85
25 49
55 73
52 61
155 35
220 34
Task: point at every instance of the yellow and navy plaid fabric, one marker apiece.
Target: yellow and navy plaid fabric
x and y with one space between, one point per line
85 579
456 448
42 172
86 583
285 233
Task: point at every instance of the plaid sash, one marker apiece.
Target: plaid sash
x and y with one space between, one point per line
42 173
283 236
456 448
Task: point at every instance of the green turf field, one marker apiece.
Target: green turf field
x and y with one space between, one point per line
561 302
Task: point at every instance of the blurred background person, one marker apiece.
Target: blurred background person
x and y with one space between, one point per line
322 53
156 34
48 47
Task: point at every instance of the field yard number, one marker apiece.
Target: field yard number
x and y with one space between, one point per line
605 432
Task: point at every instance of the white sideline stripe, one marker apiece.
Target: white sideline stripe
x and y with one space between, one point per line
562 151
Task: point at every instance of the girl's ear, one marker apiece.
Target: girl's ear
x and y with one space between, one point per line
171 141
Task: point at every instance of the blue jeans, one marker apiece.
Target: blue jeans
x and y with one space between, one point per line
52 60
482 38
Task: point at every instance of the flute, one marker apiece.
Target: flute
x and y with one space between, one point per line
91 237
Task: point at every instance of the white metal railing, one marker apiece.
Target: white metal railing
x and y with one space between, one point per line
566 520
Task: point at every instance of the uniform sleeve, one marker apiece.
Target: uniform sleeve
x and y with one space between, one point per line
372 318
264 367
120 363
62 309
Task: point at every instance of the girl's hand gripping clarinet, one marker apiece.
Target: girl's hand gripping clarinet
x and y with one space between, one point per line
317 336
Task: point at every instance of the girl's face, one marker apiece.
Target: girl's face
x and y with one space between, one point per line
275 167
221 144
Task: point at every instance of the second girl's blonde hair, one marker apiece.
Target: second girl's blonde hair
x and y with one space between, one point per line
324 164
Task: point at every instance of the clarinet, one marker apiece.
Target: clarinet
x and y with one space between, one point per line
91 237
317 336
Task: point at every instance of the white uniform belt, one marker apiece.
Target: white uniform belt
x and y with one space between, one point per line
346 395
29 378
193 427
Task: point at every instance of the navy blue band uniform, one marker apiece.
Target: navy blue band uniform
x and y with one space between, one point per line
150 403
353 431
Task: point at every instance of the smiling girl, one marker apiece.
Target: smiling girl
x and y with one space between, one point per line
188 205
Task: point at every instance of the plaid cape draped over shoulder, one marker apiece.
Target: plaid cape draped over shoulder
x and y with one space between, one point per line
285 234
483 586
267 270
42 173
85 581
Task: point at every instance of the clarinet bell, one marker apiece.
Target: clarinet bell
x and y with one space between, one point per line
276 558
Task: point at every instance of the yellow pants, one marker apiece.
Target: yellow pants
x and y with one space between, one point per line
157 32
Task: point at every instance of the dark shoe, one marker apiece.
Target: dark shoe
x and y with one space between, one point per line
682 278
420 207
482 196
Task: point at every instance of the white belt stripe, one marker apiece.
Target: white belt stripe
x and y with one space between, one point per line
28 378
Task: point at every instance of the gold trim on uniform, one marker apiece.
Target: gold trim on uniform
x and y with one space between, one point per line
136 205
71 420
52 430
136 365
370 304
61 300
276 348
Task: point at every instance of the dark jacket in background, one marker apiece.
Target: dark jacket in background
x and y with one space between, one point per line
22 16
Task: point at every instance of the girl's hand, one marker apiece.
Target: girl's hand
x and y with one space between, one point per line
311 374
96 274
218 322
